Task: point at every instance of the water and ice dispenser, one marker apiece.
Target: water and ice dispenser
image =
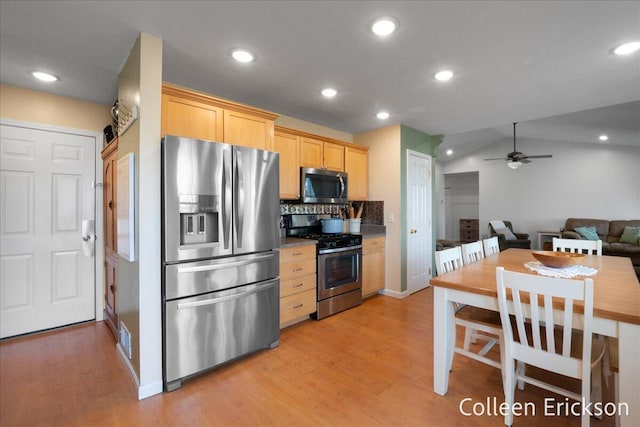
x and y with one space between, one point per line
198 219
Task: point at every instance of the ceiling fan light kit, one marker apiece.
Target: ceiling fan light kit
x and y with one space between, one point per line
515 159
514 165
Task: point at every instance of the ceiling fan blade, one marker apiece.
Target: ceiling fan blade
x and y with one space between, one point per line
524 160
543 156
500 158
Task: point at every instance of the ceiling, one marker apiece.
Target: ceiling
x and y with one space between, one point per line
524 61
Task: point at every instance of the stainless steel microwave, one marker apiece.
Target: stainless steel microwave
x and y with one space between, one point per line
323 186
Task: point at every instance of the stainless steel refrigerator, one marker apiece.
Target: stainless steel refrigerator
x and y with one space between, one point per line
220 226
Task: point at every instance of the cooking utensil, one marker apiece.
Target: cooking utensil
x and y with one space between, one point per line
331 225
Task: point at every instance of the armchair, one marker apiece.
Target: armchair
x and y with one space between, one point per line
507 238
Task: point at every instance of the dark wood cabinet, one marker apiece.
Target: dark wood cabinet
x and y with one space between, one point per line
469 230
109 180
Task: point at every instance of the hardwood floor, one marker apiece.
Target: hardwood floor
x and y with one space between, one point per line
368 366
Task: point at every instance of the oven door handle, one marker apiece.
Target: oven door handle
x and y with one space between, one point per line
212 267
218 300
338 250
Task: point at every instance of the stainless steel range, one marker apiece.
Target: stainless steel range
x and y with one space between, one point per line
339 265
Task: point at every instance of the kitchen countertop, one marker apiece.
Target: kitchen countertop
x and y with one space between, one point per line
289 242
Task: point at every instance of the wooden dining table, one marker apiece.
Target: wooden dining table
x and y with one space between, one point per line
616 313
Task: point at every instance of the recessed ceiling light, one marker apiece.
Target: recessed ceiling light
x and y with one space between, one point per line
382 115
443 75
45 77
627 48
603 138
242 55
449 152
383 27
329 92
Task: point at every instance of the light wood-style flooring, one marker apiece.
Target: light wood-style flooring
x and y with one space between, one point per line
368 366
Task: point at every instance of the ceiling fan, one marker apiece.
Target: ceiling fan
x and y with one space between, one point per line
515 159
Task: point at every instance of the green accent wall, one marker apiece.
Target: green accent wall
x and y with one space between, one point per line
411 139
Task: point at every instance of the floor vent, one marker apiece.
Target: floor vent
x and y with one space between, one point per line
125 340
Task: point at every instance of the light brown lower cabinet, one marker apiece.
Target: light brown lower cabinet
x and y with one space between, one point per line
297 283
372 265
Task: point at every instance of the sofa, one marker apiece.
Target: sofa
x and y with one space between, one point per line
442 244
609 232
521 240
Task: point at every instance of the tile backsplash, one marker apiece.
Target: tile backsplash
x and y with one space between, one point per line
372 211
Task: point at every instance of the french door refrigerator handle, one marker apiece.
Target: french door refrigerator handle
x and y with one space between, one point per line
223 266
226 197
239 198
217 300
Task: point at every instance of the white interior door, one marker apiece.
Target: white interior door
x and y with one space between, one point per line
418 221
46 199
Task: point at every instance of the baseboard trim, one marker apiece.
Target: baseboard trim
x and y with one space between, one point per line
394 294
149 390
144 391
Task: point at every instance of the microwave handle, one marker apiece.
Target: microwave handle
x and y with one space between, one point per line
341 186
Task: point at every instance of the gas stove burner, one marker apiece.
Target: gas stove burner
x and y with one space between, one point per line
335 241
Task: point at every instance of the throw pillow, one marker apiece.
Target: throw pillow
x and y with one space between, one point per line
630 235
588 233
508 235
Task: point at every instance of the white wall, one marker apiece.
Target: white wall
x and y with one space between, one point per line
139 291
581 180
384 184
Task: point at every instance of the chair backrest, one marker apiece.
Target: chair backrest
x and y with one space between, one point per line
472 252
448 260
591 247
533 298
491 246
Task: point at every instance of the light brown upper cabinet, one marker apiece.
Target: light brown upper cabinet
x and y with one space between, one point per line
193 119
318 154
288 145
356 165
301 149
197 115
248 130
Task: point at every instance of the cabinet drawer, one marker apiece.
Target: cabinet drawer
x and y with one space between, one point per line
297 305
372 243
300 268
297 253
293 286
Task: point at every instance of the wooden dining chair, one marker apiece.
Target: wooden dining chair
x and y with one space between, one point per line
477 323
590 247
578 355
472 252
491 246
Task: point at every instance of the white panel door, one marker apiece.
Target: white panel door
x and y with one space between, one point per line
45 195
418 221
